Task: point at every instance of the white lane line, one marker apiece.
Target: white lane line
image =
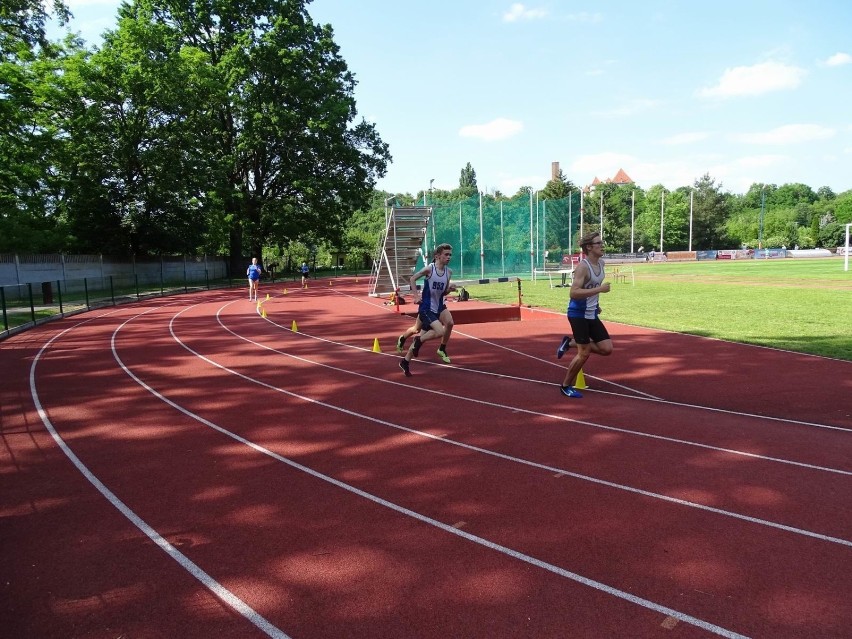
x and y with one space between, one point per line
634 393
562 418
597 585
225 595
477 449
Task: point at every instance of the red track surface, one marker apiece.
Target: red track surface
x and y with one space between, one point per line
221 475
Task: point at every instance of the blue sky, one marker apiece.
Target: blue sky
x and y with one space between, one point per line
748 91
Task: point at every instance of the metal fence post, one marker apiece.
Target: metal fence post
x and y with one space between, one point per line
86 288
32 304
59 294
111 290
136 280
3 304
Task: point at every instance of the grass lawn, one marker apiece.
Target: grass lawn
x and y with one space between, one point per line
800 305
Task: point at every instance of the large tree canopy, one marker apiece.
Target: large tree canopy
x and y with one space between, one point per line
215 125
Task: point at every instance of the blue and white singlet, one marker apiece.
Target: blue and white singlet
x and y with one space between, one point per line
588 307
435 285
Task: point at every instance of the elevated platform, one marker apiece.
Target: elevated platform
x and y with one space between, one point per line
472 312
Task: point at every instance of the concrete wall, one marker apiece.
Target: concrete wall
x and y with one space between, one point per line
35 269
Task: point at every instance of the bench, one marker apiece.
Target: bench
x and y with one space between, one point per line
555 268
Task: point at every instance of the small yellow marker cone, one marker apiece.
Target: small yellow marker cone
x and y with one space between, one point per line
285 291
263 313
294 328
267 296
376 347
580 383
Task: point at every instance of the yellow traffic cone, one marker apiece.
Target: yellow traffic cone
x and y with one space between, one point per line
285 291
329 282
376 347
294 328
267 296
580 382
263 313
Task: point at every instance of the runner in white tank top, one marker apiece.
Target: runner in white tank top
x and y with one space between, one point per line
590 334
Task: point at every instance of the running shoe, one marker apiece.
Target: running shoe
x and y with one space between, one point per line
566 342
570 391
416 346
400 343
403 364
442 353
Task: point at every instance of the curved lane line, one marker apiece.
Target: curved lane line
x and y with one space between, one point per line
597 585
222 593
533 413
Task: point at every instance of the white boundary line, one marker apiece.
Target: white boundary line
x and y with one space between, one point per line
218 590
597 585
634 393
625 431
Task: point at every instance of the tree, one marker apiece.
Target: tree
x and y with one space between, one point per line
467 181
556 188
710 215
27 133
22 23
272 118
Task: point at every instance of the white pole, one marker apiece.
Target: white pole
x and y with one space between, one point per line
481 241
602 235
662 213
691 194
846 259
461 246
582 210
502 247
632 216
537 236
544 234
570 241
532 253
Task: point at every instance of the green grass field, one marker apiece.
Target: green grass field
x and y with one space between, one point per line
799 305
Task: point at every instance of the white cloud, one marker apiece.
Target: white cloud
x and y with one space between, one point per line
838 60
498 129
754 80
685 138
788 134
519 11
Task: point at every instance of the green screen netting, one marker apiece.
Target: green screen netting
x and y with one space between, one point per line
508 247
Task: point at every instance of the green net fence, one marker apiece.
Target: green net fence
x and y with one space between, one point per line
504 237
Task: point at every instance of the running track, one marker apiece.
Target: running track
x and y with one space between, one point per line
184 467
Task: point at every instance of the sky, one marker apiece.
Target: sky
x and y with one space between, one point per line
747 92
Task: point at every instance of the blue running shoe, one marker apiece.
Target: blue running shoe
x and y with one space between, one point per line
570 391
400 344
566 342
